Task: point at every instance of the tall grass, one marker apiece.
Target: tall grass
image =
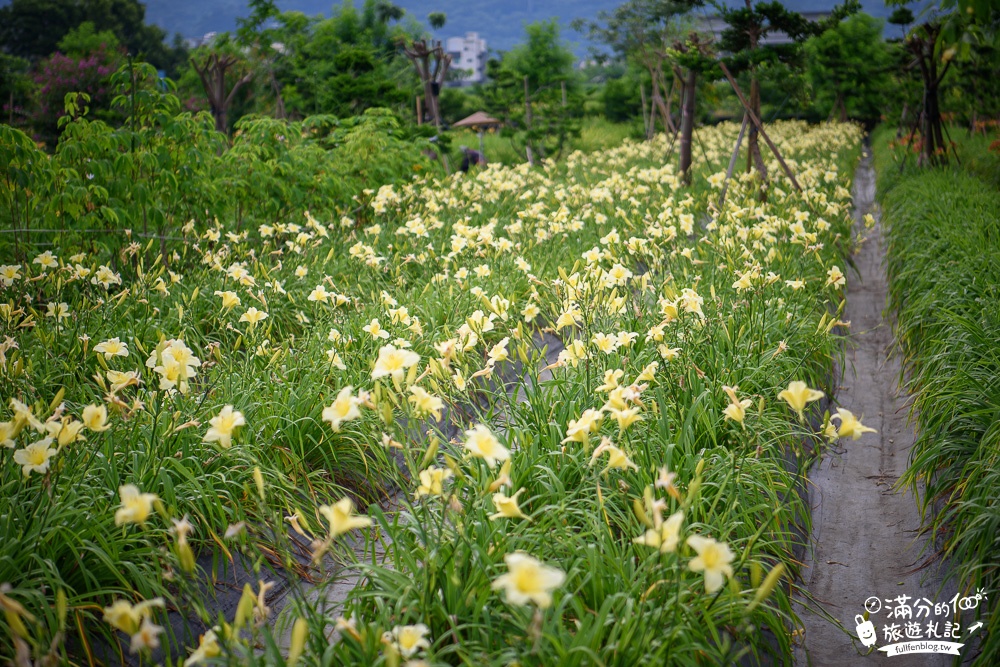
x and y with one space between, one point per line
944 269
596 134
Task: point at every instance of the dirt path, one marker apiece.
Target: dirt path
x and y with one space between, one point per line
864 533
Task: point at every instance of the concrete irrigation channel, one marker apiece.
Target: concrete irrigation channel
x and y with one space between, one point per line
866 548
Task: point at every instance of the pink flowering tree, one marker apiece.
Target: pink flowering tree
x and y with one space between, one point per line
60 74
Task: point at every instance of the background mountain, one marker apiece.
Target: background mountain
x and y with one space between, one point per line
499 23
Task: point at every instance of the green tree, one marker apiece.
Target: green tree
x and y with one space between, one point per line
642 32
15 88
978 83
32 29
59 75
848 66
259 42
901 16
534 88
84 40
343 64
436 20
542 57
944 37
745 39
620 96
652 34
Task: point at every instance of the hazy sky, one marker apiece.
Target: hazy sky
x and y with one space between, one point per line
499 22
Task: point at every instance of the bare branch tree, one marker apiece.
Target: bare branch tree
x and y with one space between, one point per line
212 72
431 62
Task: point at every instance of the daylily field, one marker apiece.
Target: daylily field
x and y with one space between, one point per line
534 416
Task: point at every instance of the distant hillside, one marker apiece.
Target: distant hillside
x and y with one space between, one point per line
499 23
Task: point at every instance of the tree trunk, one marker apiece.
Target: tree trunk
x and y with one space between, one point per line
279 101
688 88
933 141
933 150
213 78
217 101
221 120
839 109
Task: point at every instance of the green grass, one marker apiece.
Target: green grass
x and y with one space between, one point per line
944 269
596 134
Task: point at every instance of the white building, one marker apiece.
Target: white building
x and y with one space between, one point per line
468 56
714 24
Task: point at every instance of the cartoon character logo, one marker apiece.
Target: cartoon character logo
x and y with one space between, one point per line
866 631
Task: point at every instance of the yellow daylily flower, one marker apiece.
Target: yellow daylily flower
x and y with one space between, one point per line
393 362
713 559
507 506
136 506
35 457
208 647
737 409
229 299
341 517
835 277
111 348
124 616
665 536
528 580
798 395
409 639
344 408
616 457
253 316
481 443
95 418
850 426
432 481
223 426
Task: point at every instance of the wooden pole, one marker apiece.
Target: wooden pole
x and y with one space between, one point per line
732 162
645 120
669 102
651 131
527 122
420 111
759 126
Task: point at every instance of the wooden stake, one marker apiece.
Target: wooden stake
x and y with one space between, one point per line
642 96
760 127
527 122
732 162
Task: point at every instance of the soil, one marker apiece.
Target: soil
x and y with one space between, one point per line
865 533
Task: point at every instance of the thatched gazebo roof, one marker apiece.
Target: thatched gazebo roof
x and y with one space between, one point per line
478 121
